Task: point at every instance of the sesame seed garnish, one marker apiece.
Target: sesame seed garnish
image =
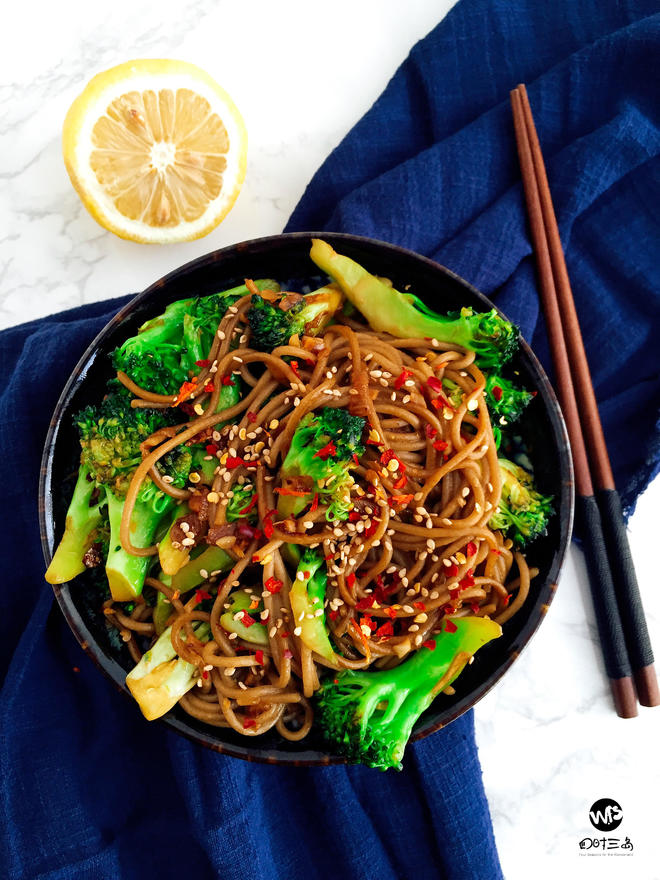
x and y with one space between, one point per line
199 409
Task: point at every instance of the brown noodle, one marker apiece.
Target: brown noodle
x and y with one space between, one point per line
418 549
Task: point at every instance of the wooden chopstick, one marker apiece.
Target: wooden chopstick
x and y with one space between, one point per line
608 620
638 642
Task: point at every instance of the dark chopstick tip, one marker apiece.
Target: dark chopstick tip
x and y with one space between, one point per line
625 697
646 683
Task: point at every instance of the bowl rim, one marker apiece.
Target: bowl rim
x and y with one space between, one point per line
110 667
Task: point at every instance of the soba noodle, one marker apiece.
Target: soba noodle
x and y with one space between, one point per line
416 548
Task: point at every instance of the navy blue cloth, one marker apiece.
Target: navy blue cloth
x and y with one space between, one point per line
90 790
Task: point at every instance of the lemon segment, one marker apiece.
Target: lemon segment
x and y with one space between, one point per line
156 150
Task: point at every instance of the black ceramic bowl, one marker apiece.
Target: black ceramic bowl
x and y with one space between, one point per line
286 257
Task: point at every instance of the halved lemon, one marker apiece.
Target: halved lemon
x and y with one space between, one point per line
156 150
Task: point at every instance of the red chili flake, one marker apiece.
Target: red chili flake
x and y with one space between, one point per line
266 617
205 673
293 492
356 459
249 722
287 654
209 387
471 549
365 603
430 430
399 499
328 450
430 644
474 607
335 681
350 581
496 552
354 516
234 461
246 620
391 612
250 505
201 594
329 557
453 593
450 626
506 599
400 483
451 570
401 379
420 606
211 449
204 363
294 366
333 614
449 609
251 417
371 442
269 528
259 657
285 634
467 581
440 445
273 585
315 502
227 380
534 393
366 619
434 383
373 528
497 392
385 631
185 391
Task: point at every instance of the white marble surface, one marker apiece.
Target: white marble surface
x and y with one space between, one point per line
302 74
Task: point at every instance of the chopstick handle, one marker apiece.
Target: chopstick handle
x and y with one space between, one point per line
631 609
610 631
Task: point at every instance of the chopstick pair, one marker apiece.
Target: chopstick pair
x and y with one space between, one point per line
622 629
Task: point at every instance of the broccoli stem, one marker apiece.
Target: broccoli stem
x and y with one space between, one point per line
491 337
161 677
307 596
81 522
125 572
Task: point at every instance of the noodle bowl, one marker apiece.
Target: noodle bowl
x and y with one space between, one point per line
203 713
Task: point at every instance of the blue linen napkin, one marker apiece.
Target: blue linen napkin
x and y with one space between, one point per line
90 790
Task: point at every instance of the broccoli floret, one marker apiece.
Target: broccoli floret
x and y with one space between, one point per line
368 716
506 403
274 322
505 399
110 437
166 349
387 310
523 512
319 461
